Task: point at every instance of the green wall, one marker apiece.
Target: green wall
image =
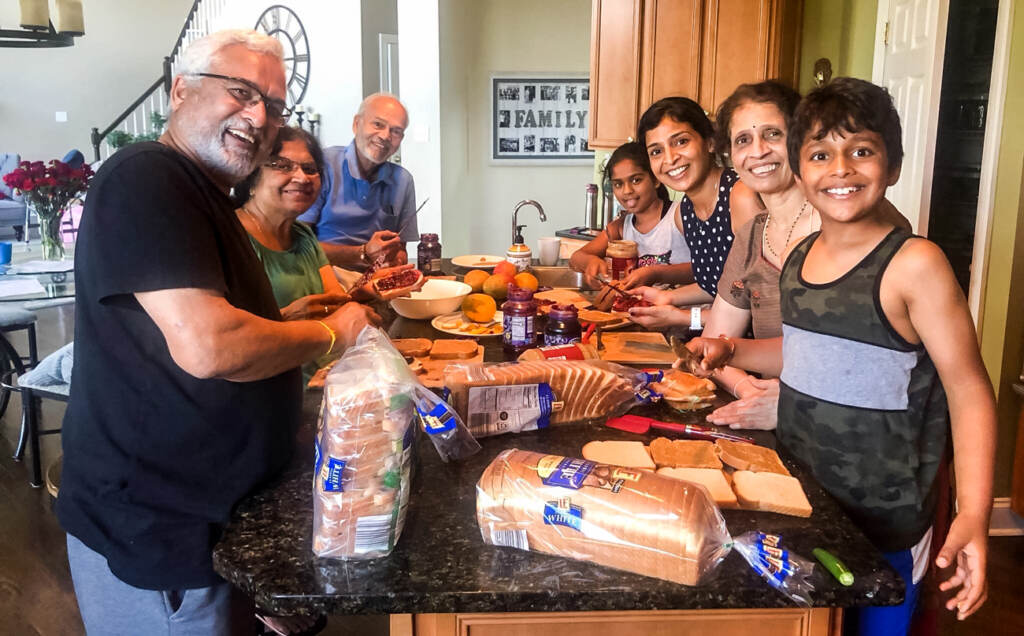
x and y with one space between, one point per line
842 31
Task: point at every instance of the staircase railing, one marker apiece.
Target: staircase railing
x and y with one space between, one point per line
137 119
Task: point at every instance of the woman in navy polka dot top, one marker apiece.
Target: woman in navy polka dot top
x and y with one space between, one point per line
679 140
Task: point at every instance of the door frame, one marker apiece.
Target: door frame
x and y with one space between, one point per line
990 153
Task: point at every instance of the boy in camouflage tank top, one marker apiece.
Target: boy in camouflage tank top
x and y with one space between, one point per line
877 341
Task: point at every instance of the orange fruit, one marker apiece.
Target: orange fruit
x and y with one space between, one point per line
526 280
505 268
475 279
496 286
479 307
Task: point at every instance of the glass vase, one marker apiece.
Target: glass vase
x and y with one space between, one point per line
50 237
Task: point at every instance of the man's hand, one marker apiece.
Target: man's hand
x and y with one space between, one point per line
966 548
639 277
659 317
714 353
653 295
348 321
757 408
595 272
383 243
314 306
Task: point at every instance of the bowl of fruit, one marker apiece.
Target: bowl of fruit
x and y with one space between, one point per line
436 297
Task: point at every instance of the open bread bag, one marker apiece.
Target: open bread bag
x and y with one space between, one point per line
371 407
512 397
618 517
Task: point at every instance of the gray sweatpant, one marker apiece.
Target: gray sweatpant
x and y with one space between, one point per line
111 607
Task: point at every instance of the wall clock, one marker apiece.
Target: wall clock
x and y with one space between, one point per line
282 23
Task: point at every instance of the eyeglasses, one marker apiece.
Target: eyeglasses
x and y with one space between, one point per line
287 166
248 95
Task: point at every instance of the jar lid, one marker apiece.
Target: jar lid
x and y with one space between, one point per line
519 294
563 312
519 247
428 237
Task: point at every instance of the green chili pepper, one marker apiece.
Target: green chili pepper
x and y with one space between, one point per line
835 566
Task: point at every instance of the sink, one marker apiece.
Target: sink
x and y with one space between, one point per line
557 277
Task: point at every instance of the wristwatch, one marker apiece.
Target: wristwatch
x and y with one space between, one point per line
695 323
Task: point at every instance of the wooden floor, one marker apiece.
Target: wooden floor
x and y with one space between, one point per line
36 595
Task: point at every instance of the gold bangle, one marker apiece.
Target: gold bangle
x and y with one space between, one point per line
334 336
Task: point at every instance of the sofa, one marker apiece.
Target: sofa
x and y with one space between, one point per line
12 209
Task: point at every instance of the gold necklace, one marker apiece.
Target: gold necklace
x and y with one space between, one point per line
789 235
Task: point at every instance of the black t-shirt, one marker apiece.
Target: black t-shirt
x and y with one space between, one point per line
154 458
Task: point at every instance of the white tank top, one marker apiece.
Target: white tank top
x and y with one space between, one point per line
663 245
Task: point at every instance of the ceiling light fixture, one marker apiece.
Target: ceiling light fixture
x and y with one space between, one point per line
37 31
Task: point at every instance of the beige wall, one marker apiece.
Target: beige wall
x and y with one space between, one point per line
484 37
842 31
377 16
120 55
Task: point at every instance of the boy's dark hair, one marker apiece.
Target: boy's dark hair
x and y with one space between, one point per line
846 105
242 191
681 109
768 92
632 151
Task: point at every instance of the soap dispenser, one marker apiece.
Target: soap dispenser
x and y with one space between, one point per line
519 253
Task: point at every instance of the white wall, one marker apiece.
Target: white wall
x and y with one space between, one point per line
119 57
480 38
335 52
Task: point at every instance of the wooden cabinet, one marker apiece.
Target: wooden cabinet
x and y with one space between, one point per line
643 50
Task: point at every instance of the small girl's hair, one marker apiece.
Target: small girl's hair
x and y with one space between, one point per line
636 153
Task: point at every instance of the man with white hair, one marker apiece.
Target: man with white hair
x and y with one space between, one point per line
367 206
186 392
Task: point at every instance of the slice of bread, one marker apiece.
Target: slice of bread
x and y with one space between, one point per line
711 478
743 456
449 349
412 347
599 318
628 454
771 492
684 453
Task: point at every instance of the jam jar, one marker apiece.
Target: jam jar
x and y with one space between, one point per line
518 321
563 326
428 255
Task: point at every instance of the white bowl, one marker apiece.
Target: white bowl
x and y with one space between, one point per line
435 298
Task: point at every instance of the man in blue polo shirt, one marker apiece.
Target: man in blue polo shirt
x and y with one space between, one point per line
367 205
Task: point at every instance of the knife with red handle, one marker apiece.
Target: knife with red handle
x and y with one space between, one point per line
641 425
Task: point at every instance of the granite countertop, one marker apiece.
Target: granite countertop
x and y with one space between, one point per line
441 564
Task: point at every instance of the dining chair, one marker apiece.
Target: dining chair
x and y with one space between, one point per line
50 379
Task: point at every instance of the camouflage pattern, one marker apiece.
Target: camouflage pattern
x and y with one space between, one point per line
880 465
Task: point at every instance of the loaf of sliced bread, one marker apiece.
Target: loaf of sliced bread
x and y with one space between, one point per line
628 454
770 492
714 479
684 453
743 456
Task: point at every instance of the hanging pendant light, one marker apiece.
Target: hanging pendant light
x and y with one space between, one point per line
37 30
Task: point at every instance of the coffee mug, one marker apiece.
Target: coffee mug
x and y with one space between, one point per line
547 249
5 252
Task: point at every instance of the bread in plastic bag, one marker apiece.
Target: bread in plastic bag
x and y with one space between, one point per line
787 572
619 517
368 418
512 397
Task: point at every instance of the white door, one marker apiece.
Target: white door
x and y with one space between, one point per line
388 43
909 49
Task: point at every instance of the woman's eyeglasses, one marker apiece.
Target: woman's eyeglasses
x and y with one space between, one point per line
287 166
248 95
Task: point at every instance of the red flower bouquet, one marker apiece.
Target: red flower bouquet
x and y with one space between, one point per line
49 189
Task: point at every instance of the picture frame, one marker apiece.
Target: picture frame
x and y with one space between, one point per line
540 119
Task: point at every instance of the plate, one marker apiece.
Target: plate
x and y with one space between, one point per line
477 261
458 315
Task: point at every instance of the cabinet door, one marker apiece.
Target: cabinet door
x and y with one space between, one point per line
747 41
672 50
615 54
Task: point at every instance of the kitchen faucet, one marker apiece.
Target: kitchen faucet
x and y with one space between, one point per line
515 216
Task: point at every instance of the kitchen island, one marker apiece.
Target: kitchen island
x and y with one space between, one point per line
442 579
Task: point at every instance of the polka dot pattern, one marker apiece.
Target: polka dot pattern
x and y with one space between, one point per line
710 240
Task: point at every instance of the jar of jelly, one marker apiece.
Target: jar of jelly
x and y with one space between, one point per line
428 255
563 326
519 314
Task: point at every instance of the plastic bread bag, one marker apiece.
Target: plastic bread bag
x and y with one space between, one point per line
364 447
787 572
512 397
618 517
